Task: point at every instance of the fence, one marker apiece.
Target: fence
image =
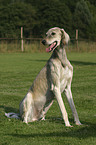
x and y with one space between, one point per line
20 45
34 44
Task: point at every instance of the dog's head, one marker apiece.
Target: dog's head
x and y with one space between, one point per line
54 38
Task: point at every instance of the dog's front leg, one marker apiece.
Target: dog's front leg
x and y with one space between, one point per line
57 94
71 103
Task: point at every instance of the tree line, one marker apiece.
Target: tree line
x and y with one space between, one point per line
36 17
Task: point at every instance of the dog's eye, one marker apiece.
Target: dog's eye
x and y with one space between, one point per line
52 33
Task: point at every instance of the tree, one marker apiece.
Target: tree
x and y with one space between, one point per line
53 14
15 15
82 18
91 29
38 16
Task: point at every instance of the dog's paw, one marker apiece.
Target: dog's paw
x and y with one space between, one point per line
69 126
25 122
43 118
79 123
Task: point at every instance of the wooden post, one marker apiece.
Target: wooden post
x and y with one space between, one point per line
77 39
22 47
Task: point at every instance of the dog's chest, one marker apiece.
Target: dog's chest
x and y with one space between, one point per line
65 77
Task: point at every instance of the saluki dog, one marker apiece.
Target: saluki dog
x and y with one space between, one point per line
53 79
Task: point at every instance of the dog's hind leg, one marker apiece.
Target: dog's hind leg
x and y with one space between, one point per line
27 109
46 109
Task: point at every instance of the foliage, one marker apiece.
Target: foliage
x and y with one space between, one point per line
15 15
53 14
92 27
82 18
38 16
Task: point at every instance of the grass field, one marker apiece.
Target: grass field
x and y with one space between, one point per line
17 72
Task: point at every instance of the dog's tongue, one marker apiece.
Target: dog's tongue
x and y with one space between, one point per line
50 47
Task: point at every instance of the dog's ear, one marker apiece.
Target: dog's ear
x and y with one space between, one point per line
64 37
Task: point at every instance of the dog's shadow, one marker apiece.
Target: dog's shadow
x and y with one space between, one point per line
9 109
72 61
56 119
82 63
82 132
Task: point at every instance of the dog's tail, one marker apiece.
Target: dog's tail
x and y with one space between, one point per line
12 115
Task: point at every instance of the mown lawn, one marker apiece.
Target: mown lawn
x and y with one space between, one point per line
17 72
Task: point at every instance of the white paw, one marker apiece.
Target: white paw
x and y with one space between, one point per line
43 118
34 119
25 121
79 123
69 125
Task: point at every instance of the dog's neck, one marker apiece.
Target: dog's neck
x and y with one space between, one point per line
60 53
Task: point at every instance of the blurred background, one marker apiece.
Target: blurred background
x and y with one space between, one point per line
28 20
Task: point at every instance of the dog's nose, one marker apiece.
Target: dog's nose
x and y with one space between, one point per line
44 42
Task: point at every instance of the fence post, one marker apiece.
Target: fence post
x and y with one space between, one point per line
77 39
22 47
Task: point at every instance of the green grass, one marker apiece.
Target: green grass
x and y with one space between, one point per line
17 72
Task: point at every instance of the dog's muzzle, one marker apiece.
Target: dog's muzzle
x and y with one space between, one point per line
51 46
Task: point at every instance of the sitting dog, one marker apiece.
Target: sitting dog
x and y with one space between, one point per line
53 79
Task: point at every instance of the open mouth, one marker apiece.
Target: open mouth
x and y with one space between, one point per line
51 47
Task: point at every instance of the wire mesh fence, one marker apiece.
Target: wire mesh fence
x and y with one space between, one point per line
35 45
